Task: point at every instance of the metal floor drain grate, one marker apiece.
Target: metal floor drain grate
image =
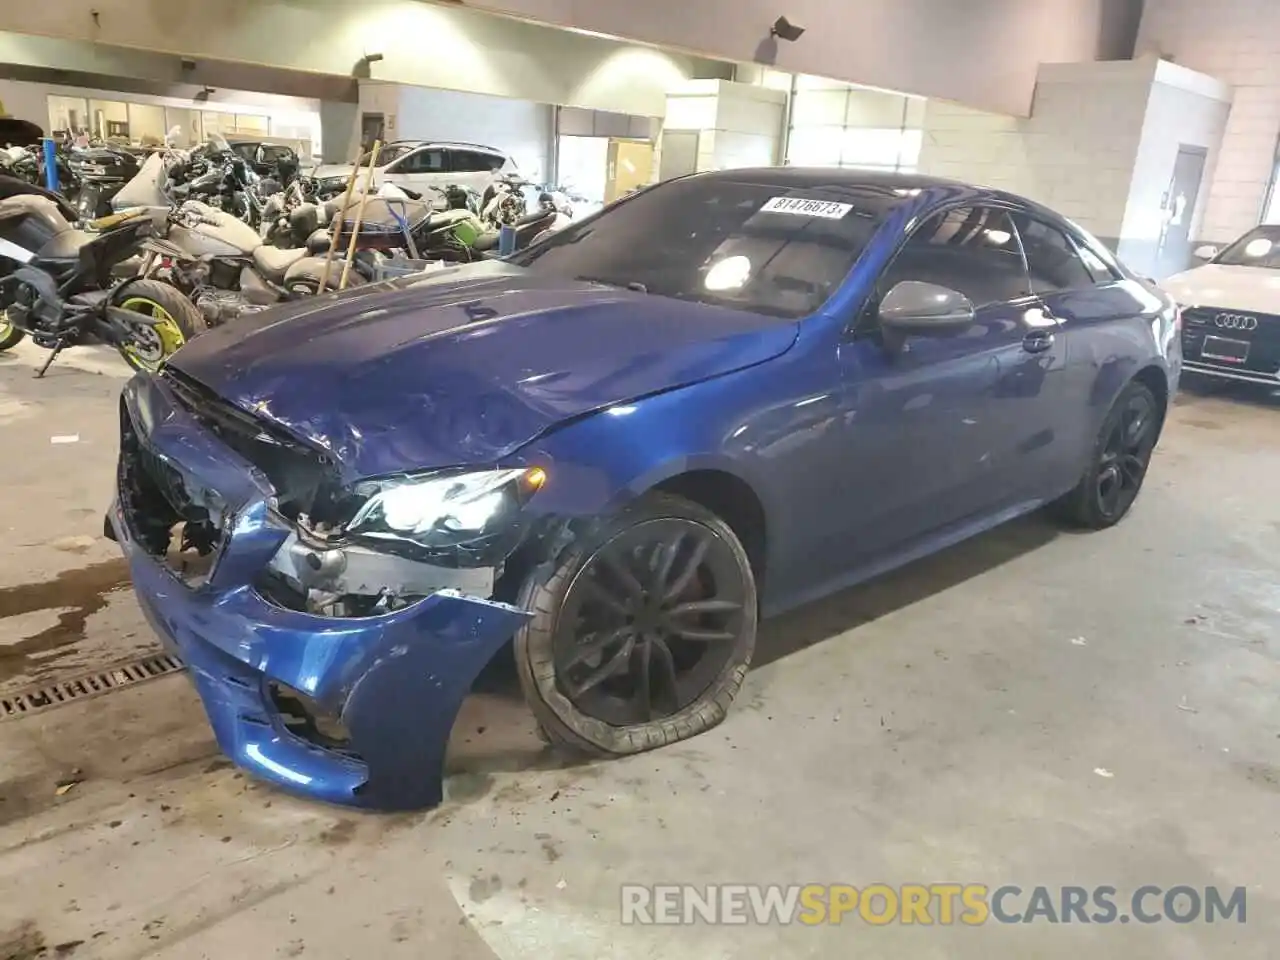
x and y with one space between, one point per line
23 703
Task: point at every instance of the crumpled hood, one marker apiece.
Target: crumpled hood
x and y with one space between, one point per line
1230 287
465 365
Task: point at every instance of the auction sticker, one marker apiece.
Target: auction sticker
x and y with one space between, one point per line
827 209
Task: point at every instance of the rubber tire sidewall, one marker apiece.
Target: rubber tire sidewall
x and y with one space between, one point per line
12 338
544 592
1080 507
184 313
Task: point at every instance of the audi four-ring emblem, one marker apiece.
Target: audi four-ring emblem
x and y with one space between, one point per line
1236 321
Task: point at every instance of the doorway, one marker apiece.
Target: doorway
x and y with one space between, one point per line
630 167
1173 254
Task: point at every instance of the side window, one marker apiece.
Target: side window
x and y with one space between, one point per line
971 249
1052 259
1096 266
471 161
424 161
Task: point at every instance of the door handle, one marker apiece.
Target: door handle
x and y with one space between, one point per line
1037 341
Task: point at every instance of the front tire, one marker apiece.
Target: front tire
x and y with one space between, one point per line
176 321
643 630
1118 463
10 336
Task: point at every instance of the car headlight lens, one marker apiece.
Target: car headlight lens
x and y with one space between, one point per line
438 511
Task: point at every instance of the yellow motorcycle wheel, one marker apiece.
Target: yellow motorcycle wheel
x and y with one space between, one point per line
9 334
176 320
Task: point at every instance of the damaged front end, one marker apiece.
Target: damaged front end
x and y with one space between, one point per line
332 631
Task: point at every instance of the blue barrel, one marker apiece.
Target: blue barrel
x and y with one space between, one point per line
50 164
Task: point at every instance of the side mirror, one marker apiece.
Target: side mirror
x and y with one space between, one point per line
1206 252
925 309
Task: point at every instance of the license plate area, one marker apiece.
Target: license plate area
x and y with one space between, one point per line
1225 350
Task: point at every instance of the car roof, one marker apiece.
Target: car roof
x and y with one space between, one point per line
838 178
445 143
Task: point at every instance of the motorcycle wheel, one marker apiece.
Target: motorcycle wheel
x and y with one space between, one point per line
176 321
10 336
310 287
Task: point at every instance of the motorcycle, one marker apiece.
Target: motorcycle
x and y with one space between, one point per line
225 266
102 173
55 286
28 163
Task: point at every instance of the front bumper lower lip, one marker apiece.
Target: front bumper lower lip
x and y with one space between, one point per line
396 680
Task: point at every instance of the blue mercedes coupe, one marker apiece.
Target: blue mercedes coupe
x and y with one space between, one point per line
612 454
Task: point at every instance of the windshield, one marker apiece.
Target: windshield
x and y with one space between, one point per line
388 153
1260 247
770 248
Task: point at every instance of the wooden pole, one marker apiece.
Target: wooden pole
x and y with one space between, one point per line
355 230
336 231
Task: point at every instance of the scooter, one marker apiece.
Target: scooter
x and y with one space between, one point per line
55 286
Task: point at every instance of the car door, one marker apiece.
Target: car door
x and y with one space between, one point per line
927 421
418 170
1090 299
474 168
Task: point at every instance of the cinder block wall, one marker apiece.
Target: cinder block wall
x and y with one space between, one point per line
1237 41
1099 147
1075 153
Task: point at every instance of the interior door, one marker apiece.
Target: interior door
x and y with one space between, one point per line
1173 254
925 420
630 167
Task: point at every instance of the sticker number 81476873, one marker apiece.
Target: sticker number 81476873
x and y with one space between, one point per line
827 209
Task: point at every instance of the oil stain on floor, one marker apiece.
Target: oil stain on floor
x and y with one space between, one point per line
76 594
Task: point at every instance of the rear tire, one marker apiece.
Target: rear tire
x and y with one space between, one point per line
179 321
1118 462
671 637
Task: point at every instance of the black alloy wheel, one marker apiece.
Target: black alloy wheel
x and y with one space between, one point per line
643 633
650 620
1119 462
1126 455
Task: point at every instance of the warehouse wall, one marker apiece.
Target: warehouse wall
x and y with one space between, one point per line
1074 153
289 118
1237 41
518 127
1099 146
981 52
1183 110
738 124
420 43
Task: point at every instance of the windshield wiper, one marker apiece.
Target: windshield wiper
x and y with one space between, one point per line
635 285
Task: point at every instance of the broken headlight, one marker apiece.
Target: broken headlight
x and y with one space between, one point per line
441 512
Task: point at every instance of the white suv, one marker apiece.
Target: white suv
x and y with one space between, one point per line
417 164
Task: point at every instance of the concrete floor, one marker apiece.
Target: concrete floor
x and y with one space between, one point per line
942 723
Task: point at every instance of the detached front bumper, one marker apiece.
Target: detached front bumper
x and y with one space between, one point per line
396 680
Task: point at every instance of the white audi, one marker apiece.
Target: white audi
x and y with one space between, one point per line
1231 309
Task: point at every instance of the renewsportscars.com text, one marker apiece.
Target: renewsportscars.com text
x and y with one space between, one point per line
944 904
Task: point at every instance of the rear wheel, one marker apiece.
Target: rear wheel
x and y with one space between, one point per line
642 631
175 320
1119 462
10 336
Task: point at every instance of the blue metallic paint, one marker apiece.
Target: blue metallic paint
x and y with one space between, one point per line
861 458
397 680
